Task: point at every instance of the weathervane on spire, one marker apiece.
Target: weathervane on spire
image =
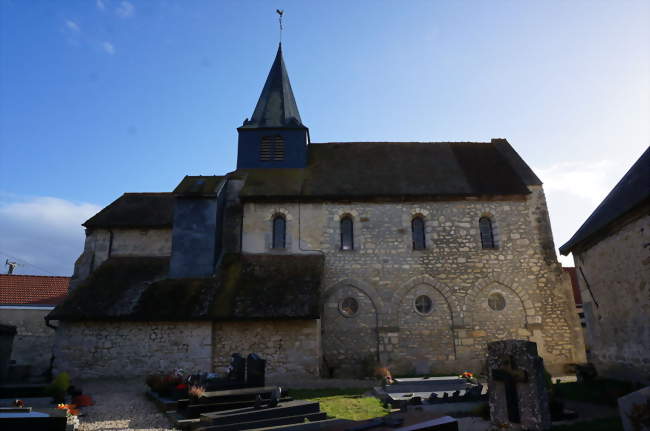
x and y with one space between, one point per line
280 12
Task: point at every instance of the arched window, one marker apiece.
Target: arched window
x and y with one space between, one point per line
347 234
487 236
417 229
279 231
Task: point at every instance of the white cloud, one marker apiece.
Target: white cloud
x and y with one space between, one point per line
125 10
45 232
101 5
584 179
573 190
108 47
71 25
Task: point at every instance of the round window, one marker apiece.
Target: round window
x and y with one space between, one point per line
496 301
423 304
349 307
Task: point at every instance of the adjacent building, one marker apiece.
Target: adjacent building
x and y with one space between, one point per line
25 300
611 251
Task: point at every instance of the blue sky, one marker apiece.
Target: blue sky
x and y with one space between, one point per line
101 97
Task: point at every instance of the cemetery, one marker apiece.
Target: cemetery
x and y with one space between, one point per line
515 392
285 284
512 391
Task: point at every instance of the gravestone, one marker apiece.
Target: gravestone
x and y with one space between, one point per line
634 409
237 371
517 388
7 333
255 369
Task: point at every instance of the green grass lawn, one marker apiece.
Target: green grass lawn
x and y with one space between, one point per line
348 403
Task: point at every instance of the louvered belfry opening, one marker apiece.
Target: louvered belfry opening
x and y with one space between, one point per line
272 148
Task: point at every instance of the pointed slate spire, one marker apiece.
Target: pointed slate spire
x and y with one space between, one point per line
276 107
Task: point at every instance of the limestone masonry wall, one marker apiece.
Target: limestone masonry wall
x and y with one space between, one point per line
98 247
131 349
33 341
618 329
385 275
291 348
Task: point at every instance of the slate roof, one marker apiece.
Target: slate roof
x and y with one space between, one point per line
136 210
247 287
630 192
349 170
276 107
192 186
32 289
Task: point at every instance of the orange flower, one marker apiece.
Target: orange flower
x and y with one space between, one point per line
71 408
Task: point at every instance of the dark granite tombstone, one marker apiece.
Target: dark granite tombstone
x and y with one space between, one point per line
237 370
7 334
255 370
517 388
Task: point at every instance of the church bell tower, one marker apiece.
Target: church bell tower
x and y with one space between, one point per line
274 137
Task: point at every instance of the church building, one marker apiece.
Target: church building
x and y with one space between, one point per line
324 258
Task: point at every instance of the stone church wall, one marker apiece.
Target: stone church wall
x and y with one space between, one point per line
131 349
385 274
291 348
618 329
98 247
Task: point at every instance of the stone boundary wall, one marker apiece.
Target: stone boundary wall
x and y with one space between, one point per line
131 349
291 348
618 329
33 341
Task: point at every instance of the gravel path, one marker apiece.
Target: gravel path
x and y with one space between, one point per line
120 405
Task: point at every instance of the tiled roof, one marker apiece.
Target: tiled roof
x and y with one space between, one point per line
32 289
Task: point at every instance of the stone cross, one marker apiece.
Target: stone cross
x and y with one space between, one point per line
510 375
517 386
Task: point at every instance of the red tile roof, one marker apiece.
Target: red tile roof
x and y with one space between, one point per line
574 283
32 289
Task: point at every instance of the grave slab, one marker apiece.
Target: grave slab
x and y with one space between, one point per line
38 419
237 394
413 420
634 409
430 390
249 414
194 410
269 422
